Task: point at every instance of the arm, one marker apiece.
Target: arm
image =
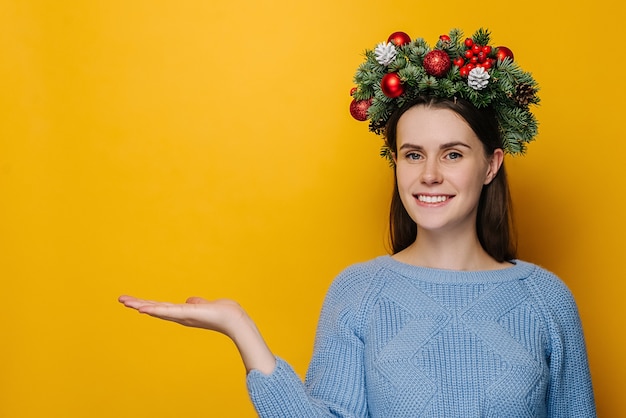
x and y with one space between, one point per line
570 393
335 381
223 315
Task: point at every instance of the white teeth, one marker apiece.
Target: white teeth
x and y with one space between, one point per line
432 199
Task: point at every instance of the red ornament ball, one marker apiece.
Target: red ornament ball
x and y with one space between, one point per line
399 38
503 52
391 85
437 63
358 109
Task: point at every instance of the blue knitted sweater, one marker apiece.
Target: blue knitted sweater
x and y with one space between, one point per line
396 340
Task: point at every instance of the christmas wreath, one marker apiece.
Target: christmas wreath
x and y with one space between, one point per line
401 69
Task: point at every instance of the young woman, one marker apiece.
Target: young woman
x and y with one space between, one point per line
450 324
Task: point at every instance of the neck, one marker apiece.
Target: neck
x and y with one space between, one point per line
449 252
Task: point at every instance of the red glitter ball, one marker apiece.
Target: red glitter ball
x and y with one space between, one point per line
437 63
358 109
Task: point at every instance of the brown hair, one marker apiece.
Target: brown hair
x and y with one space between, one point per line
494 223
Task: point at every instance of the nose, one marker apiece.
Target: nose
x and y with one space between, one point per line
431 173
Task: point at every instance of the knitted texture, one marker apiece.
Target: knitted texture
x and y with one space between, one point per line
396 340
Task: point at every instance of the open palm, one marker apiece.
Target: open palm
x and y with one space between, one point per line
222 315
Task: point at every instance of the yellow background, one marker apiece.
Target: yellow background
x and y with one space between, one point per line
193 147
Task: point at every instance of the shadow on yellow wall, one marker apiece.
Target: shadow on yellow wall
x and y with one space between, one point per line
167 149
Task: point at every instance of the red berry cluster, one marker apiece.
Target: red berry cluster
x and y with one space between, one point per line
475 56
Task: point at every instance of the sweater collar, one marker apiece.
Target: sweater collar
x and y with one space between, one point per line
519 270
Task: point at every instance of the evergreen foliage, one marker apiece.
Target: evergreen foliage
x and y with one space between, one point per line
510 90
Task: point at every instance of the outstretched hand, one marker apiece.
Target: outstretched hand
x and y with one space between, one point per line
222 315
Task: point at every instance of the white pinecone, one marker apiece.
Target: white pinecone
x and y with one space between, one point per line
478 78
385 53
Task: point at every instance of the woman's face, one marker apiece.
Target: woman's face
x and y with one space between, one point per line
441 168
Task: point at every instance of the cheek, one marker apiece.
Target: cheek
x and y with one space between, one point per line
476 184
404 179
480 174
402 183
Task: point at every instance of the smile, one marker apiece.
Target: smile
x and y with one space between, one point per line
432 199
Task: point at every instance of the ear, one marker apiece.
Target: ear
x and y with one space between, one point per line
394 157
495 162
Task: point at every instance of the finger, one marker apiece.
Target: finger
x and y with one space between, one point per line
127 298
123 298
133 302
136 303
168 312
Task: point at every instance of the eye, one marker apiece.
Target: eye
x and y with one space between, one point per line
453 155
413 156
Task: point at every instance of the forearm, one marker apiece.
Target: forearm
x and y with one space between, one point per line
253 349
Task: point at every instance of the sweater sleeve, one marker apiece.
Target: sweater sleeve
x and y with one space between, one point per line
334 385
570 393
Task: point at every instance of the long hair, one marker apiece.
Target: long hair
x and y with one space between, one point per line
494 220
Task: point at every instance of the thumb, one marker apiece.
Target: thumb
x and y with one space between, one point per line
196 300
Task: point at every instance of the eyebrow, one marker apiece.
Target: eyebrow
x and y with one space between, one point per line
442 146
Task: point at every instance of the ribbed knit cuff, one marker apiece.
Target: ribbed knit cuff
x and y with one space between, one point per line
278 394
